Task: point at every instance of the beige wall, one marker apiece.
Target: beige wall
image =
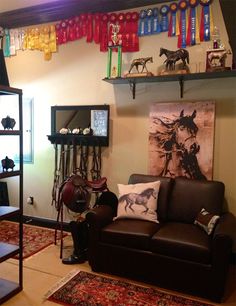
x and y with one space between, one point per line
74 76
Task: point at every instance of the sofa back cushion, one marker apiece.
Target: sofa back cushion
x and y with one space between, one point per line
189 196
164 191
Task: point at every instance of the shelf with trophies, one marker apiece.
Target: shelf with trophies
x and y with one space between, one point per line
171 70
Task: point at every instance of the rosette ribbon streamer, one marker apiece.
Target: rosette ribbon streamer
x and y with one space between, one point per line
173 24
164 10
183 4
206 20
192 35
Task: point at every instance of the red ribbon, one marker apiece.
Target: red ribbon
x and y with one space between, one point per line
89 28
97 24
71 30
104 33
83 18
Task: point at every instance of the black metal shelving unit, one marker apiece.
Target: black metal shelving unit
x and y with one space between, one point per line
9 288
181 78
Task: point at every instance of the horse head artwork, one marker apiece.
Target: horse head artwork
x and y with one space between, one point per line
173 56
139 199
140 62
178 146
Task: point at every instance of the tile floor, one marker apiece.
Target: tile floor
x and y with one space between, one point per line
44 269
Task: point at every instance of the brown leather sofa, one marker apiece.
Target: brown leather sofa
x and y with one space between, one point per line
174 254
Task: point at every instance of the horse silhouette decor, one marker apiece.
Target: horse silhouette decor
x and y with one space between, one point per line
174 56
140 64
138 201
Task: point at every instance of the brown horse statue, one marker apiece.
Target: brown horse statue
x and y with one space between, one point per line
140 62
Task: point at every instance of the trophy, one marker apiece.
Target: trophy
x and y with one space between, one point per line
114 44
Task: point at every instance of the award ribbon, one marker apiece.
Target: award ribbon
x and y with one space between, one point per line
164 10
156 27
97 23
182 25
148 22
205 27
134 30
192 23
141 26
104 33
89 28
6 50
173 19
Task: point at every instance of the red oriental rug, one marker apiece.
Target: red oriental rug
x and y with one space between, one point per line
87 289
35 238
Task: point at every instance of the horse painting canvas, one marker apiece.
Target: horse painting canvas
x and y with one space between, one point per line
181 139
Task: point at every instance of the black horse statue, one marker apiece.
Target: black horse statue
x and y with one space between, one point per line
140 62
173 56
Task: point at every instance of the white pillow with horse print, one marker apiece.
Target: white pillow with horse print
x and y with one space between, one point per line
138 201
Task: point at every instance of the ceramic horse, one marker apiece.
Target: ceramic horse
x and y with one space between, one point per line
139 199
173 56
140 62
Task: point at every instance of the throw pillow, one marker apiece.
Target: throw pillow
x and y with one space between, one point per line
206 221
138 201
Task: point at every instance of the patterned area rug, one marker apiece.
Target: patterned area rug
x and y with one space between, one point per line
87 289
34 238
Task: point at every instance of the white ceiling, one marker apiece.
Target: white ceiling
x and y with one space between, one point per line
9 5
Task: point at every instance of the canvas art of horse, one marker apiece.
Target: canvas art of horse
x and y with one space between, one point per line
140 62
178 146
140 199
173 56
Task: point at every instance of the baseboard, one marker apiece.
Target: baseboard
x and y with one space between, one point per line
49 223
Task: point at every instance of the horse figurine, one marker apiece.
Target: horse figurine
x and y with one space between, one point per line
178 146
173 56
139 199
140 62
217 58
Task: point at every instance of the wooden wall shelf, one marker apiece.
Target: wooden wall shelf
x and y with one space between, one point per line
181 78
79 140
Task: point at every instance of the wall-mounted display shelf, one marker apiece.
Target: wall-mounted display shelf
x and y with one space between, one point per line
181 78
80 116
12 96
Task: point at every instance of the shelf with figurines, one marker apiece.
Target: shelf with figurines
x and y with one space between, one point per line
172 71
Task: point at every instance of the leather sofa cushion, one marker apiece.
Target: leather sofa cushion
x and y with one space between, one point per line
182 241
190 196
164 192
130 233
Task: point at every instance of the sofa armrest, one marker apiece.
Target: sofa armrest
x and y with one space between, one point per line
99 216
223 239
225 226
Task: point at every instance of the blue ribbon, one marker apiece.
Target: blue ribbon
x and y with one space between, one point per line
148 26
141 25
183 30
156 27
193 26
173 26
206 12
164 23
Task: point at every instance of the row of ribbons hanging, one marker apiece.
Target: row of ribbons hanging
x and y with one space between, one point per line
178 19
